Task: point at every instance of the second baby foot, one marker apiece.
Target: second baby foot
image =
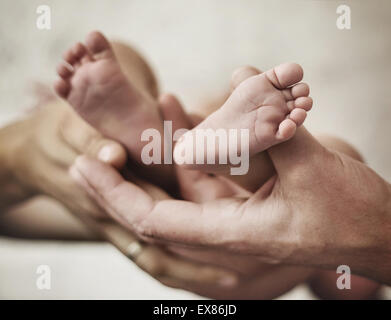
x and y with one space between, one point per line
92 81
270 105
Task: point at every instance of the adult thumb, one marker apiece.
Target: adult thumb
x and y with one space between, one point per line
107 151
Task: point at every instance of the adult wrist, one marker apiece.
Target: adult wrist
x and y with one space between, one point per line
378 259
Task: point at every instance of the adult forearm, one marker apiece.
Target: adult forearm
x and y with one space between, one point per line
12 190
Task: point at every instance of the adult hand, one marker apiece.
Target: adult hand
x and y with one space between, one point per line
256 280
323 209
38 152
42 147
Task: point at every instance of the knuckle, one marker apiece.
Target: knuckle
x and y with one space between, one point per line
143 225
157 269
143 229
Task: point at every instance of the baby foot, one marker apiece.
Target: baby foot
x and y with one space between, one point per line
92 81
270 105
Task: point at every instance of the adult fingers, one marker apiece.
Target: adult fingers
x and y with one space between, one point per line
84 139
194 186
171 270
114 194
213 223
179 273
200 187
172 110
259 225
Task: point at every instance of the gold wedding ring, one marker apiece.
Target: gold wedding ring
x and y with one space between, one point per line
133 250
117 235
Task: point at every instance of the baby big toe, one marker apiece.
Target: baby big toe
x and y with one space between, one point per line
97 44
285 75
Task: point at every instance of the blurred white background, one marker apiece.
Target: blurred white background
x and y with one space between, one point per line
194 46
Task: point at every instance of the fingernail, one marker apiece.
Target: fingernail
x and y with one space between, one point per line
106 153
228 281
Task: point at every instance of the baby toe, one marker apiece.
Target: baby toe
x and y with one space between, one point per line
300 90
79 50
69 56
291 105
304 103
288 94
62 87
285 75
298 116
97 43
63 71
73 55
286 130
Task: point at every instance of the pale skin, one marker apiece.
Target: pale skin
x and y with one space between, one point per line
297 97
343 219
92 81
35 156
270 105
247 286
37 153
